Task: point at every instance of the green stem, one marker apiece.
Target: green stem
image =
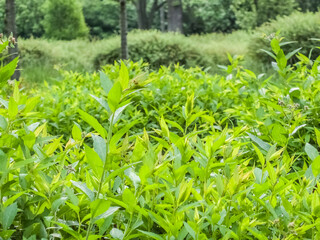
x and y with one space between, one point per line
103 171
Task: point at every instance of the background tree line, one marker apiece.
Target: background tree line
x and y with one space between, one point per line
69 19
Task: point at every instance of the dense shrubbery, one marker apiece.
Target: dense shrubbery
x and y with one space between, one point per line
192 156
298 28
169 154
39 56
162 49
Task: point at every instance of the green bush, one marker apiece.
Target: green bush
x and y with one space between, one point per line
39 56
64 20
232 156
161 49
298 27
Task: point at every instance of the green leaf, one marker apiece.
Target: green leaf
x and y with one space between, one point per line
116 137
174 124
129 198
100 147
272 173
76 132
52 147
160 221
68 230
13 108
116 233
189 106
265 146
6 234
117 114
3 45
114 96
106 214
275 45
153 235
269 53
281 60
317 135
119 170
9 214
3 161
13 198
83 187
291 54
164 127
190 230
315 166
57 203
260 155
94 160
271 151
93 123
106 83
8 70
259 235
124 76
311 151
102 102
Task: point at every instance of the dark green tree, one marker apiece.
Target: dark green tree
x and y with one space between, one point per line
309 5
253 13
29 15
202 16
64 20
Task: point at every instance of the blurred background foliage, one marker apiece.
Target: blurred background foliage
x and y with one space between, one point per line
102 16
211 29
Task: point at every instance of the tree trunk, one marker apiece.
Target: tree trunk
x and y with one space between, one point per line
175 15
11 27
162 19
123 30
143 22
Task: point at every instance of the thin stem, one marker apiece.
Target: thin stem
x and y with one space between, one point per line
103 171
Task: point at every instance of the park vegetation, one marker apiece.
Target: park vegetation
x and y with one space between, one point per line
207 128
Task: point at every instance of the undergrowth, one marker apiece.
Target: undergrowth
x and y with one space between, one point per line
168 154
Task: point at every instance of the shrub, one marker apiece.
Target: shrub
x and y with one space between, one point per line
64 20
160 49
298 27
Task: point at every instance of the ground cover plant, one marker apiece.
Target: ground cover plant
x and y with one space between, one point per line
133 153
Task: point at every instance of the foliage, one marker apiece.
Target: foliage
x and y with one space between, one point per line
309 5
252 13
6 69
29 23
102 17
64 20
168 154
298 30
200 16
209 16
29 17
160 49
